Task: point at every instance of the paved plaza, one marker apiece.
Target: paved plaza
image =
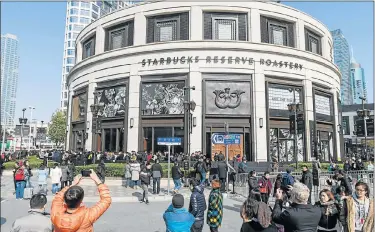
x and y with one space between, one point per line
125 213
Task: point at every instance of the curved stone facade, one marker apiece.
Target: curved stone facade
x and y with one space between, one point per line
240 64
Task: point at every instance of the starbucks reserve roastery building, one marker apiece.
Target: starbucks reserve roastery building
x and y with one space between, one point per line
145 67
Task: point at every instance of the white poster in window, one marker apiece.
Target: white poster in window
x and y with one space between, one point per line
322 105
166 32
278 37
279 98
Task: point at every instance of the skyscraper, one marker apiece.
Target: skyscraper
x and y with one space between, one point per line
79 15
9 77
359 88
341 57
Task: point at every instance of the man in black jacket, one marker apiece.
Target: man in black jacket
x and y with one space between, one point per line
223 169
157 173
253 182
307 180
176 176
301 216
197 206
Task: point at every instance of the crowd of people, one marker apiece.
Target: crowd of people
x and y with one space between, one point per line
341 206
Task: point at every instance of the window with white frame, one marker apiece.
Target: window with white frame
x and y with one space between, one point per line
313 42
70 52
168 27
84 20
74 11
278 32
224 28
88 48
166 30
85 12
85 5
73 19
120 36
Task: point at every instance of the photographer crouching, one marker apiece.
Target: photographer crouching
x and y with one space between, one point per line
67 205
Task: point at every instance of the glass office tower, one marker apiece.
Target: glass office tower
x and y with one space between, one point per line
341 57
359 88
9 77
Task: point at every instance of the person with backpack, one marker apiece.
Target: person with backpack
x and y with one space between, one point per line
20 180
287 180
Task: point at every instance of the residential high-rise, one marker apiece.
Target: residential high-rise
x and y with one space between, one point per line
9 77
341 57
359 88
79 15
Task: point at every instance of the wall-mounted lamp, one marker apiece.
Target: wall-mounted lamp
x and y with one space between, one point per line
194 121
261 122
131 122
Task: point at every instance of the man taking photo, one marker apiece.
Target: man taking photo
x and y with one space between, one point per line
68 213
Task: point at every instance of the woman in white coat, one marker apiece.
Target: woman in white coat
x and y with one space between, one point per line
135 168
56 175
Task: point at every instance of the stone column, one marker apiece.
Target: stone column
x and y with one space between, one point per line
89 119
133 108
337 140
300 31
255 26
69 120
99 40
196 136
309 112
196 16
78 53
260 145
140 29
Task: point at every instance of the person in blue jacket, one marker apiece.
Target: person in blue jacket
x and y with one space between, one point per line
176 217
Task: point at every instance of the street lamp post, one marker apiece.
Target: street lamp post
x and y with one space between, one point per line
22 121
364 115
40 138
96 110
188 106
31 108
294 108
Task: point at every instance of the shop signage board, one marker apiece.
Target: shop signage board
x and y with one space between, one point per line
229 139
172 141
169 141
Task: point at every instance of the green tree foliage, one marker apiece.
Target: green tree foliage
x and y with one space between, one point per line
56 129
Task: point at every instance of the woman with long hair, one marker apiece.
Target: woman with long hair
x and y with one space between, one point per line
357 213
330 211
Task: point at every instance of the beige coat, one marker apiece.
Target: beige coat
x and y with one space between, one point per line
350 220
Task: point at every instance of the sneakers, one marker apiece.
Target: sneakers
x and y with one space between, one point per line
147 202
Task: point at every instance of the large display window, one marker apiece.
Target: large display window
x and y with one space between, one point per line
111 120
151 134
165 98
282 145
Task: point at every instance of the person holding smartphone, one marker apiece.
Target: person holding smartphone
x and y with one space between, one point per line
67 206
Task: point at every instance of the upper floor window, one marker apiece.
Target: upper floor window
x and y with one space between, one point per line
168 27
85 12
95 8
73 19
74 3
277 32
77 27
94 15
225 26
85 5
70 60
74 11
70 52
313 42
84 20
88 48
120 36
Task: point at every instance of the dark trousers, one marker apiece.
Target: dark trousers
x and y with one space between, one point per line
309 200
197 226
265 197
223 181
64 184
214 229
156 185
